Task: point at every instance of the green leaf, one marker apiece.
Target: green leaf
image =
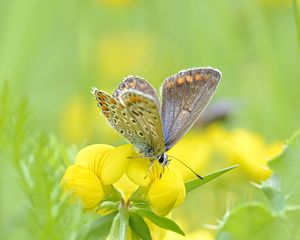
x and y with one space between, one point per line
286 177
251 221
193 184
279 217
139 226
98 228
115 228
162 222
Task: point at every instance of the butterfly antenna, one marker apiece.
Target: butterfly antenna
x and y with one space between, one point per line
188 167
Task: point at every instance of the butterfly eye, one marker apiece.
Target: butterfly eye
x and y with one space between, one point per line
129 132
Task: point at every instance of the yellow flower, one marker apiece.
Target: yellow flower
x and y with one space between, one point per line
196 235
100 165
167 192
245 148
83 182
122 53
164 192
125 187
237 146
73 115
77 122
95 166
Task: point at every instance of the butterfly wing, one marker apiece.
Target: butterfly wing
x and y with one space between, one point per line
132 115
145 111
138 84
185 95
116 114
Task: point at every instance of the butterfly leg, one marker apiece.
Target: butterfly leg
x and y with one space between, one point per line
150 168
162 171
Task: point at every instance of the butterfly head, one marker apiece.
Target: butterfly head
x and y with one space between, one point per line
163 159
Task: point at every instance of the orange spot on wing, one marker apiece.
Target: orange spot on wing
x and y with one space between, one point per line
135 99
189 78
198 77
112 101
120 106
180 81
103 103
101 96
104 108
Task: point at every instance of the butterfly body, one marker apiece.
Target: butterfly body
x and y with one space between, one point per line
134 109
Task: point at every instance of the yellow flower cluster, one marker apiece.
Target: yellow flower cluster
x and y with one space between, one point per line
99 166
237 146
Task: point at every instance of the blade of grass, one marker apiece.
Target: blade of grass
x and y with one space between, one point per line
191 185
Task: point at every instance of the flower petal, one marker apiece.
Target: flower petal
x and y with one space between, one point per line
91 157
167 192
105 161
125 187
114 164
250 151
137 171
84 184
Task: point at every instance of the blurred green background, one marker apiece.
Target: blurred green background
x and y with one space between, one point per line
53 51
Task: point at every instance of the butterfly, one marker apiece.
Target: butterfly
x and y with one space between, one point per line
135 111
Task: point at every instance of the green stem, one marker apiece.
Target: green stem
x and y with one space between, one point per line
124 220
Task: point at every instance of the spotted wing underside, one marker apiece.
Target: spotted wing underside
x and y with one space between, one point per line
116 114
145 111
136 116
